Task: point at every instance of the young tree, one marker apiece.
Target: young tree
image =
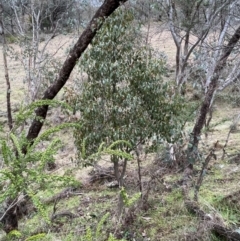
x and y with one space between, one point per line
125 97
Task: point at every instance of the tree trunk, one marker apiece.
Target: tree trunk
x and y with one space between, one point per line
221 63
107 8
11 220
8 94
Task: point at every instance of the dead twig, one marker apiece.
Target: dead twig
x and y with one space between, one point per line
203 171
232 128
212 221
63 214
66 193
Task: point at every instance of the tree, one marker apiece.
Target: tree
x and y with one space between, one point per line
8 94
38 62
125 97
49 14
199 29
54 13
107 8
206 104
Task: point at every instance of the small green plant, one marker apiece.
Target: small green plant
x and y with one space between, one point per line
27 112
39 236
127 200
97 236
23 174
103 150
14 234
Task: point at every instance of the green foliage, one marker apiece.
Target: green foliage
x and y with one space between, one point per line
90 236
39 236
100 225
102 150
112 238
51 131
125 97
25 173
127 200
28 111
14 234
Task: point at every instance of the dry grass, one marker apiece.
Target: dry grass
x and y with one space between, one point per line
165 218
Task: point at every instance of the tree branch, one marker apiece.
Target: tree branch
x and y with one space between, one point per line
107 8
221 63
8 94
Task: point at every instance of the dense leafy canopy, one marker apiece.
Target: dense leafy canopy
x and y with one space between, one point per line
125 97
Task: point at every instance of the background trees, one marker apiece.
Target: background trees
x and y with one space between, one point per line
29 22
9 219
197 27
128 97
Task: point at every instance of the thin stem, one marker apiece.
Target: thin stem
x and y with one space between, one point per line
203 171
8 94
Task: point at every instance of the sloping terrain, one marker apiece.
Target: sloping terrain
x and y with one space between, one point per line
164 216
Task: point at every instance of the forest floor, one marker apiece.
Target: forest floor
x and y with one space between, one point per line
165 217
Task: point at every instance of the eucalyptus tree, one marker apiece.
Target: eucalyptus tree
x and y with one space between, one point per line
124 97
221 63
199 30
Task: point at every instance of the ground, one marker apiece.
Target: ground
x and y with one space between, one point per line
164 217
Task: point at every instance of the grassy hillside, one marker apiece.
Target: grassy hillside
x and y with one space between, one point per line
163 215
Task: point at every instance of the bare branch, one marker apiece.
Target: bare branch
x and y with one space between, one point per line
8 94
211 90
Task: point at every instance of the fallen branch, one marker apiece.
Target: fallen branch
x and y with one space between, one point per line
203 171
66 193
212 221
100 173
63 214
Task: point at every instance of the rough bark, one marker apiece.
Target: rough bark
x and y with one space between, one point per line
85 39
221 63
11 220
8 94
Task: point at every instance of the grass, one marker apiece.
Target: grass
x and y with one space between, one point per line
165 218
